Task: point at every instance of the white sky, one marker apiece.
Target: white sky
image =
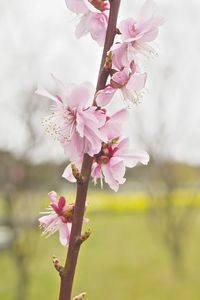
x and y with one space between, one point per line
37 39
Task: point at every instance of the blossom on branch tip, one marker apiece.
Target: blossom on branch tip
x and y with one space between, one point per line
94 19
145 28
136 34
73 121
95 24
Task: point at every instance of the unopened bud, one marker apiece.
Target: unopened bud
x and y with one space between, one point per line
83 237
76 173
79 297
57 265
108 62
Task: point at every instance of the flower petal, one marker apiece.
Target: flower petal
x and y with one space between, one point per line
137 82
80 95
103 97
64 233
43 92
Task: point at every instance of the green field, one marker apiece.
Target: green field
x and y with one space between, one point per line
123 259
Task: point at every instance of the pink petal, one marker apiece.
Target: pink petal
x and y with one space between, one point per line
43 92
82 28
47 220
96 171
125 29
67 174
131 159
64 233
61 203
80 95
108 177
149 36
117 169
103 97
120 116
136 82
52 196
76 6
80 124
121 77
75 149
97 26
100 116
112 127
119 55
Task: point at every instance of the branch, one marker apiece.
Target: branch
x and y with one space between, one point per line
67 276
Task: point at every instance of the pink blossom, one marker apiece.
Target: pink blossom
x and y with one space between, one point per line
58 218
95 24
145 28
130 83
112 127
122 55
94 19
73 122
111 162
136 34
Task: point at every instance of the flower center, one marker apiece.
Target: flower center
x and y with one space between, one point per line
107 151
61 123
67 215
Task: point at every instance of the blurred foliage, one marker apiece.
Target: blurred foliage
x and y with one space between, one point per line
148 226
119 261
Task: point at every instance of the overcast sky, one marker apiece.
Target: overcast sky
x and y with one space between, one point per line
37 39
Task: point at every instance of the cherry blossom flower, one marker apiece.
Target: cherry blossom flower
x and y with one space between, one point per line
58 218
136 34
94 19
112 127
95 24
111 162
73 122
131 85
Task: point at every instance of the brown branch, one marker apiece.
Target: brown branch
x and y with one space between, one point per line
73 249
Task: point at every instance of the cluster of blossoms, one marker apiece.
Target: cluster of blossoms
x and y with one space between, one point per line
80 120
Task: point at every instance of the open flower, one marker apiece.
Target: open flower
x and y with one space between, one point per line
94 19
95 24
73 122
58 218
131 85
111 162
145 28
136 34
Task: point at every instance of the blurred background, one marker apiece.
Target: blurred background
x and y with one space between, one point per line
145 239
